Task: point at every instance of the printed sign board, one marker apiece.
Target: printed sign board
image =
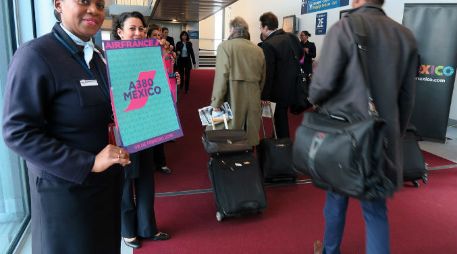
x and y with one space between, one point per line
321 23
143 106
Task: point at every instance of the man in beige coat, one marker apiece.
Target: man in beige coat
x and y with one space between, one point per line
239 79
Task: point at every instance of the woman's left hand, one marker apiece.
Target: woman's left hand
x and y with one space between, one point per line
109 156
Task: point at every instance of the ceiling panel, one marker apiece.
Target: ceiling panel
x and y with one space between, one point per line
187 10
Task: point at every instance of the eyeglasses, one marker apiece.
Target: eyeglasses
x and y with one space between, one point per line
86 3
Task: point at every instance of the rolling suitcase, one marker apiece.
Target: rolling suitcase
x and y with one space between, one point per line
275 157
237 184
414 167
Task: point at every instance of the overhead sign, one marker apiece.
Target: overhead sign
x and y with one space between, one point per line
193 34
321 23
143 106
309 6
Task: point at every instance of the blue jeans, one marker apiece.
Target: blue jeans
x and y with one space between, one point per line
376 224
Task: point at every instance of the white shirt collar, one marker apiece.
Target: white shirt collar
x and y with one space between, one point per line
89 46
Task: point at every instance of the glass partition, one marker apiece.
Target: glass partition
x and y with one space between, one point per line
14 199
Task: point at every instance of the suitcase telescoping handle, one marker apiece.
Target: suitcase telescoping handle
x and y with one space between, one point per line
224 116
272 121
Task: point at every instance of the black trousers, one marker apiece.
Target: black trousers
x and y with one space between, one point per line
184 67
137 208
282 120
159 156
75 218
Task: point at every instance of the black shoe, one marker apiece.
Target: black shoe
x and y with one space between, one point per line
165 170
133 244
161 236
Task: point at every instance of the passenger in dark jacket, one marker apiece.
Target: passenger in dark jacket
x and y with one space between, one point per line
56 115
280 49
186 59
309 49
170 39
338 86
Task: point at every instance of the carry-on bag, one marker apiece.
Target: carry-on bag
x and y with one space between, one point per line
237 184
414 167
225 140
275 156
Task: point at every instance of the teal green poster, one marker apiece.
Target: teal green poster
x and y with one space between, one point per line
143 106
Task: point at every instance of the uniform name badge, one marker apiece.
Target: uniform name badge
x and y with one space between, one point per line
85 82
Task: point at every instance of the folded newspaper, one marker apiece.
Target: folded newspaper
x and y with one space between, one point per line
207 117
268 110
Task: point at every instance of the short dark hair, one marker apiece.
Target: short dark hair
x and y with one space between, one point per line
119 22
306 33
184 33
378 2
151 28
165 28
270 20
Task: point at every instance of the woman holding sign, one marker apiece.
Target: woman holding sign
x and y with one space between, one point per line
138 218
61 130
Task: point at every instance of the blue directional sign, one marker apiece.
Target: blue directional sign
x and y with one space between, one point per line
321 23
309 6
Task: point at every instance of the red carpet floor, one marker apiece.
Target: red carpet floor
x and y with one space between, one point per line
186 156
435 161
423 220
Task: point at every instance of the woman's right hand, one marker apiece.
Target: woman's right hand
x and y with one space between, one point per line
109 156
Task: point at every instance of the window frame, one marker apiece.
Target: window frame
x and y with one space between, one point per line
9 44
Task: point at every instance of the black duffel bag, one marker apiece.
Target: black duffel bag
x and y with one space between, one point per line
343 157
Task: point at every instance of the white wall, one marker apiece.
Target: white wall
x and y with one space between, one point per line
251 10
207 30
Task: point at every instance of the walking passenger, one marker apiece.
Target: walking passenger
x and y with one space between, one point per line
338 87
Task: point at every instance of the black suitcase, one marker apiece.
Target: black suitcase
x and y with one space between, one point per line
237 184
414 167
275 157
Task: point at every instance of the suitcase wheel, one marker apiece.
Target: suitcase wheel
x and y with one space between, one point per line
425 178
416 183
219 216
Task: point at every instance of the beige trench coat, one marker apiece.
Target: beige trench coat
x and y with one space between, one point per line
239 79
